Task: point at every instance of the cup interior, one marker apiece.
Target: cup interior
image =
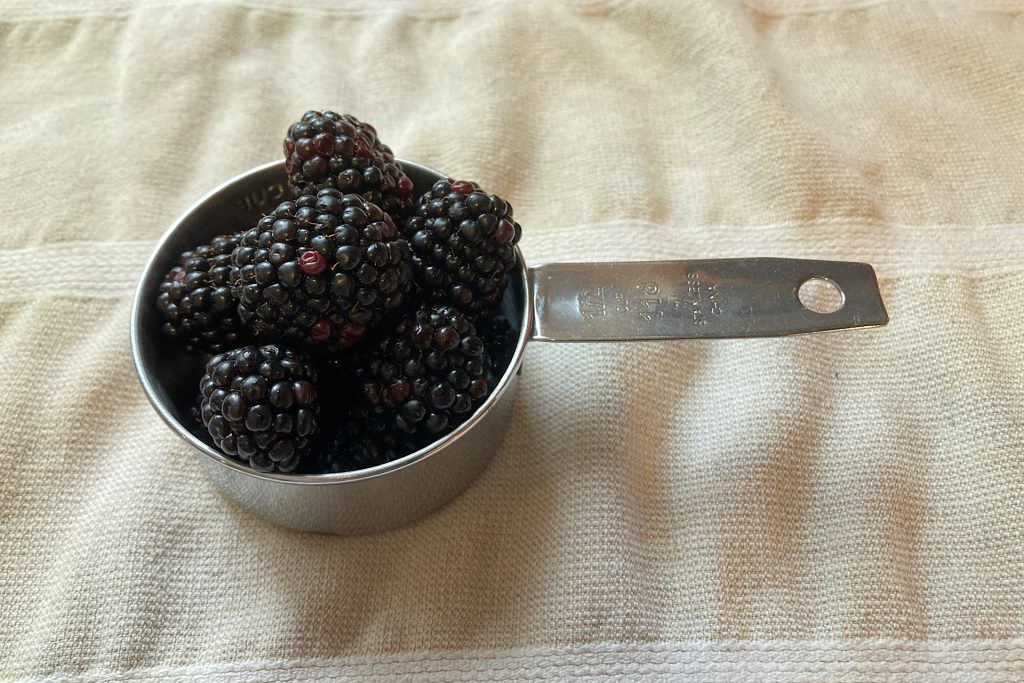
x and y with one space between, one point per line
170 376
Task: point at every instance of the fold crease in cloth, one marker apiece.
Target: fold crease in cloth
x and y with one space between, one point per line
794 661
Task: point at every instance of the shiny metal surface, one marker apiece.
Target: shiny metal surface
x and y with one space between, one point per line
566 302
706 299
372 501
365 501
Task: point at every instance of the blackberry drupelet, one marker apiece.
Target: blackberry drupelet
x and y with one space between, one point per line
196 301
259 404
428 376
329 150
463 243
321 269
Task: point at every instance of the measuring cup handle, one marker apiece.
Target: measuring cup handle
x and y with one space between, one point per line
703 299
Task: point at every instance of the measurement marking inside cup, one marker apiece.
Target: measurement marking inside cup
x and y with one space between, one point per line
647 301
263 199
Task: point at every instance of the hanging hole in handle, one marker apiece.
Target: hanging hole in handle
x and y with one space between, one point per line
821 295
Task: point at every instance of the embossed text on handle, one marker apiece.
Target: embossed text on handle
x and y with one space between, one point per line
712 298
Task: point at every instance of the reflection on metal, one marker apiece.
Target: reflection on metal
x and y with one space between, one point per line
573 302
707 299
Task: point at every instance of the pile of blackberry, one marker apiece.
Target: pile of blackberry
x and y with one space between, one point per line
354 323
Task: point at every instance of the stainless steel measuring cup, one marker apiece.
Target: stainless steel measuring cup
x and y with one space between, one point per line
718 298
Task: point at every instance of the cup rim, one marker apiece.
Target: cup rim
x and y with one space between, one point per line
142 298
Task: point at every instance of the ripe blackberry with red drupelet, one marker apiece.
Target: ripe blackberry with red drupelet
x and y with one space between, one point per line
427 376
330 150
463 243
321 270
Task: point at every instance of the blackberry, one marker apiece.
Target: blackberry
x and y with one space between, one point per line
329 150
321 269
365 439
463 243
499 336
196 301
259 403
427 376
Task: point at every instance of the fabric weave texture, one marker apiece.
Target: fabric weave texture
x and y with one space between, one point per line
842 506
